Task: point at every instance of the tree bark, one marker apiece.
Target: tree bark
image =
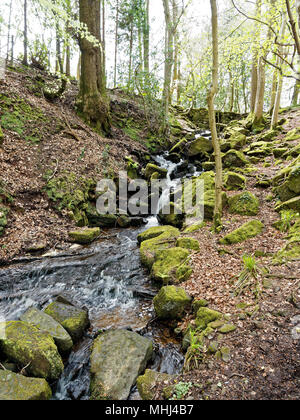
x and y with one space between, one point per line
116 43
212 118
25 35
254 70
92 101
168 63
146 37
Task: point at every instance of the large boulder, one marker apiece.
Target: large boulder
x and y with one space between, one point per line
171 266
291 187
246 231
147 382
15 387
118 358
156 231
200 147
234 181
46 323
171 302
26 345
293 204
245 204
163 239
74 320
234 159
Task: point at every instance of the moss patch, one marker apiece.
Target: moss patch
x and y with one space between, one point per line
171 266
245 204
171 302
247 231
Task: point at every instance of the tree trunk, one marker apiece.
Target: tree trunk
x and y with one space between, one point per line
25 34
8 31
93 102
168 64
254 70
146 36
280 81
116 43
212 118
296 93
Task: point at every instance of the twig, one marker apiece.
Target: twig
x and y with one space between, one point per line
55 171
24 368
2 366
71 131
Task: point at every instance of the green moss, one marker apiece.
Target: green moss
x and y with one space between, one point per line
200 147
15 387
171 266
161 238
199 303
234 158
179 146
292 135
245 204
205 316
234 181
84 236
72 193
74 320
18 116
194 228
171 302
27 345
247 231
147 382
151 169
173 216
228 328
188 243
293 204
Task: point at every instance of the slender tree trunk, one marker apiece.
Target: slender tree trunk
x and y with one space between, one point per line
146 38
280 81
92 101
168 63
212 118
254 70
130 56
296 93
116 43
25 35
103 37
8 31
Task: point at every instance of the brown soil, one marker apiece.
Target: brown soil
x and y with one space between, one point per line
67 144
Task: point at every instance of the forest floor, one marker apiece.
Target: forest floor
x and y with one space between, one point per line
57 142
264 357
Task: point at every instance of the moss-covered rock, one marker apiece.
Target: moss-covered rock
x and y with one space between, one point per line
161 238
293 204
71 193
47 324
171 302
151 169
245 204
118 358
74 320
205 316
100 220
201 146
171 266
84 236
15 387
157 231
246 231
3 218
291 187
171 216
291 251
1 136
292 135
188 243
234 159
227 328
194 227
199 303
234 181
237 139
147 382
28 346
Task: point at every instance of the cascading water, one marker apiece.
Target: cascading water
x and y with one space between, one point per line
108 279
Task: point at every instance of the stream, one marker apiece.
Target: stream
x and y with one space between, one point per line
108 279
